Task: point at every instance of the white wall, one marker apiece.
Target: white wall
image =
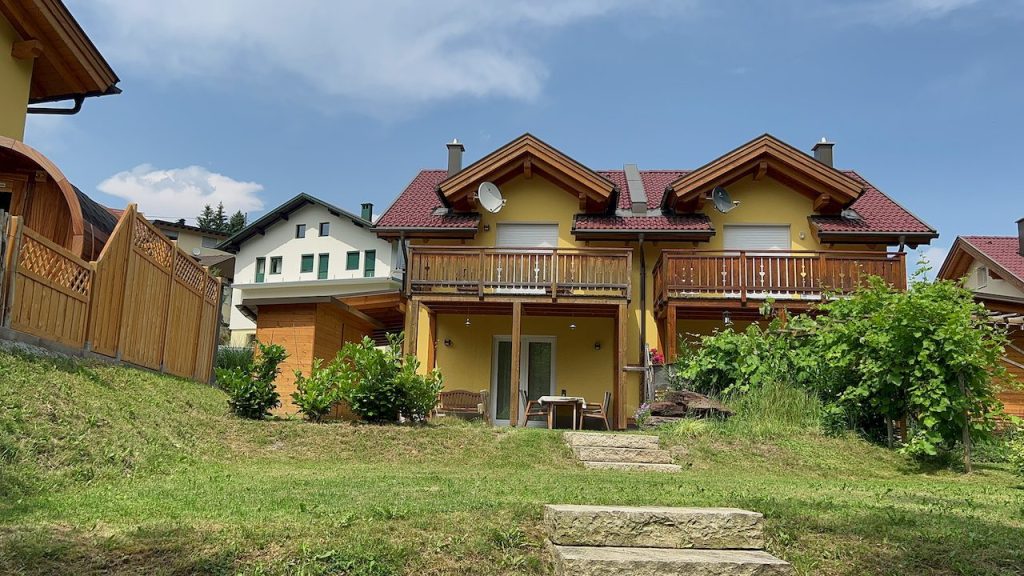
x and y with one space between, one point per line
995 287
280 240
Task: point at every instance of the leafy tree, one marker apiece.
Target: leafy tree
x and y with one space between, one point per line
237 222
927 354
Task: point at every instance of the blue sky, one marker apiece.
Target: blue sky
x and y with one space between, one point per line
252 101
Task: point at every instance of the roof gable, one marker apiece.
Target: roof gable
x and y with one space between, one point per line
999 253
282 212
830 189
528 155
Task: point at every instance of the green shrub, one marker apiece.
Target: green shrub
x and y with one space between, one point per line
230 357
381 385
251 391
316 394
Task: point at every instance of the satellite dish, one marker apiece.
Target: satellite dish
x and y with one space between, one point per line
850 214
197 252
490 197
723 202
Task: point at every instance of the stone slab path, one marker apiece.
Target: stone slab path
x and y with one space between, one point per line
649 541
612 451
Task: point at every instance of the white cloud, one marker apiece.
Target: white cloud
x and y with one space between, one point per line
181 192
372 53
895 12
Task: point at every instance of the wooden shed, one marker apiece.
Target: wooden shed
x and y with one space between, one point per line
33 187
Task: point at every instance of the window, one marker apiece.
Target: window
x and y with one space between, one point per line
300 230
170 235
275 265
307 263
210 242
528 235
369 263
982 280
261 267
325 228
323 266
352 261
751 237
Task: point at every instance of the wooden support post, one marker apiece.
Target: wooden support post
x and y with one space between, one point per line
432 331
619 397
671 337
412 320
12 271
517 330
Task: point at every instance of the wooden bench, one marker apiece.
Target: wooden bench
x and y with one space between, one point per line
463 403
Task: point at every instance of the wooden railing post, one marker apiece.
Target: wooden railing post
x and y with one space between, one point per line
901 271
555 267
743 276
480 275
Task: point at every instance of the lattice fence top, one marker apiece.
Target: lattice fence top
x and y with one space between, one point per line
211 288
151 243
189 272
43 261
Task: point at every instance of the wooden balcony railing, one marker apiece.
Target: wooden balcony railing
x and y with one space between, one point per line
681 274
457 270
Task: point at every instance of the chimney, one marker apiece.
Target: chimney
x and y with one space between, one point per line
181 221
455 150
823 151
1020 236
367 212
637 194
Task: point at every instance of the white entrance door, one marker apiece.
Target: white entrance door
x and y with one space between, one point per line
536 373
758 237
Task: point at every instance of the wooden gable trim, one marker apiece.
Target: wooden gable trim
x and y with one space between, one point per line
67 63
527 155
766 155
959 260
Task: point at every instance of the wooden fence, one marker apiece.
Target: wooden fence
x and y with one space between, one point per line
144 301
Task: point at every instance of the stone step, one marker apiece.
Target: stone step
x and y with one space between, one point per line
612 440
639 466
654 527
636 455
606 561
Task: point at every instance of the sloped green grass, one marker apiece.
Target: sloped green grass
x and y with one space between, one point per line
110 470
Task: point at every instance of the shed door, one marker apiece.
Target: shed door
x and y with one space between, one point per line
528 235
757 237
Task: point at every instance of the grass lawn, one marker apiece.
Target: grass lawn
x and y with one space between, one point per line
111 470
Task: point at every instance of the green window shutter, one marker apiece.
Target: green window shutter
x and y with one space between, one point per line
307 263
321 272
261 268
369 263
352 261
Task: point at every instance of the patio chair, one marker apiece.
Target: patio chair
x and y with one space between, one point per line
462 403
597 411
534 408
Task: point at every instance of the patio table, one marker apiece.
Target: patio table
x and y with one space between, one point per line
555 401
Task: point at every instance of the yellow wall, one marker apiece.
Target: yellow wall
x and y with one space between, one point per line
579 368
467 363
15 80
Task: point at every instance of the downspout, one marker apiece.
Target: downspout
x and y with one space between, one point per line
643 296
405 262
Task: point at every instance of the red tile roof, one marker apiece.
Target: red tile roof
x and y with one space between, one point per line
417 205
1003 250
878 213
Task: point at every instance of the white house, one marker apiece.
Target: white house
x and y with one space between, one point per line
303 250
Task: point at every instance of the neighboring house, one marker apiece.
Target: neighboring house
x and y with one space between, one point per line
311 276
192 239
562 289
992 267
46 57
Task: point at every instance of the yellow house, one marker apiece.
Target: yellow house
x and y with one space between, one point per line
529 274
46 57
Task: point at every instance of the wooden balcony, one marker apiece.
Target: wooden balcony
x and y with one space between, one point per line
512 272
782 275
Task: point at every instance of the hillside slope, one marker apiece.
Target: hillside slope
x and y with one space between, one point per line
109 470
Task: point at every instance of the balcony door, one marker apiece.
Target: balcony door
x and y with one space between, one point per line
536 373
528 272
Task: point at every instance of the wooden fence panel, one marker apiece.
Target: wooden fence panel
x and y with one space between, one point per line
143 301
147 291
109 287
51 292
